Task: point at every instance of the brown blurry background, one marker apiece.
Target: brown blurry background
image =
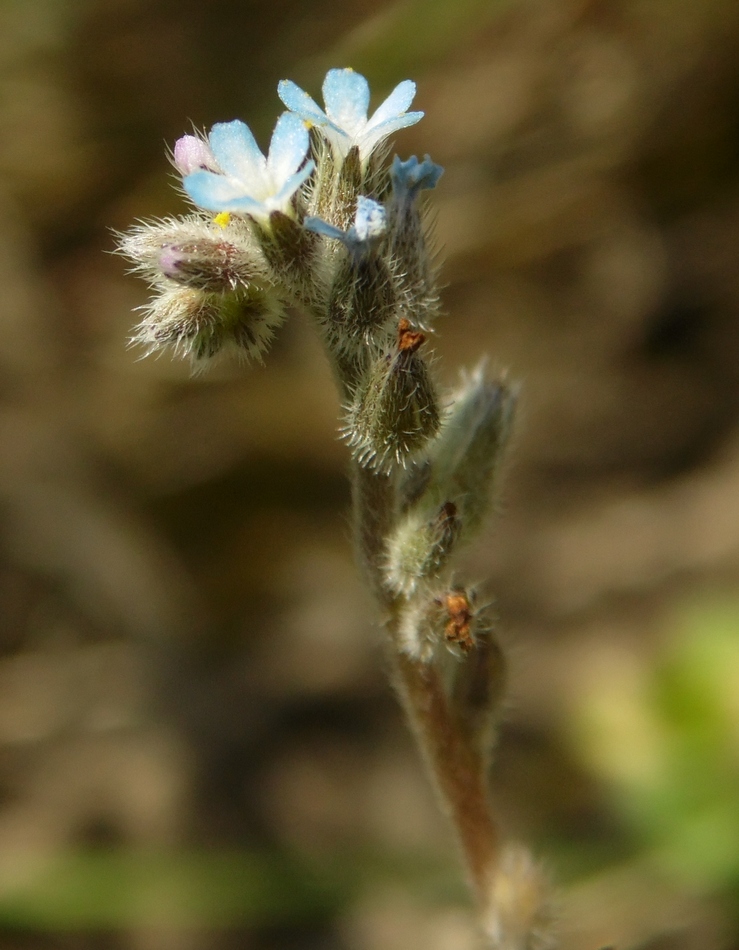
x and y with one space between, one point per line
198 748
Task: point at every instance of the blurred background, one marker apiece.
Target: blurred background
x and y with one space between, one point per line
198 747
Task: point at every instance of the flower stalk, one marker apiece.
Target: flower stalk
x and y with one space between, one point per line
325 223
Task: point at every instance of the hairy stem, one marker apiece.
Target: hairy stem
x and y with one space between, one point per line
457 768
374 506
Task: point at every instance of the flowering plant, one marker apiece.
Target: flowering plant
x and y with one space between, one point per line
327 224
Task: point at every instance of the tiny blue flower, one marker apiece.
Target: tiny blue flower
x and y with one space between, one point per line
410 177
370 224
370 221
346 95
249 183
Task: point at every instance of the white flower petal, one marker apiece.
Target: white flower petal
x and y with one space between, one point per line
238 154
211 191
396 103
280 200
290 143
373 136
347 96
344 123
370 221
300 102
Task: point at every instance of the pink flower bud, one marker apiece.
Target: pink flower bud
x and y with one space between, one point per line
192 154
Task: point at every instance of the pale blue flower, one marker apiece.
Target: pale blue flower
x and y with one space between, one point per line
370 224
346 95
249 183
370 221
410 177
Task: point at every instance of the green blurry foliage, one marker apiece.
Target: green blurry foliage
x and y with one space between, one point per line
663 738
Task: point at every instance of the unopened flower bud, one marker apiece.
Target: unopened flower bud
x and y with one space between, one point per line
192 154
206 264
419 297
396 411
466 457
196 252
200 324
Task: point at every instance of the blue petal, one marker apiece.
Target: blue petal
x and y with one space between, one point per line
396 103
429 173
347 96
236 150
410 177
246 205
292 184
323 227
379 132
370 221
290 141
217 193
300 102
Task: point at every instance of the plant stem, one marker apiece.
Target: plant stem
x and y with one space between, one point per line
374 506
456 766
456 763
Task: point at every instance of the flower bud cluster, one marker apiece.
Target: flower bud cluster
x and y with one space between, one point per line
212 290
325 222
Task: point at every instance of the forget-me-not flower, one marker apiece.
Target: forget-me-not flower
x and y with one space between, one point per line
410 177
249 183
346 95
370 224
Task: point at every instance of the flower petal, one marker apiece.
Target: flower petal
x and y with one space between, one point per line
217 192
290 186
237 152
208 190
396 103
370 221
347 96
410 177
244 204
374 135
300 102
290 142
323 227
